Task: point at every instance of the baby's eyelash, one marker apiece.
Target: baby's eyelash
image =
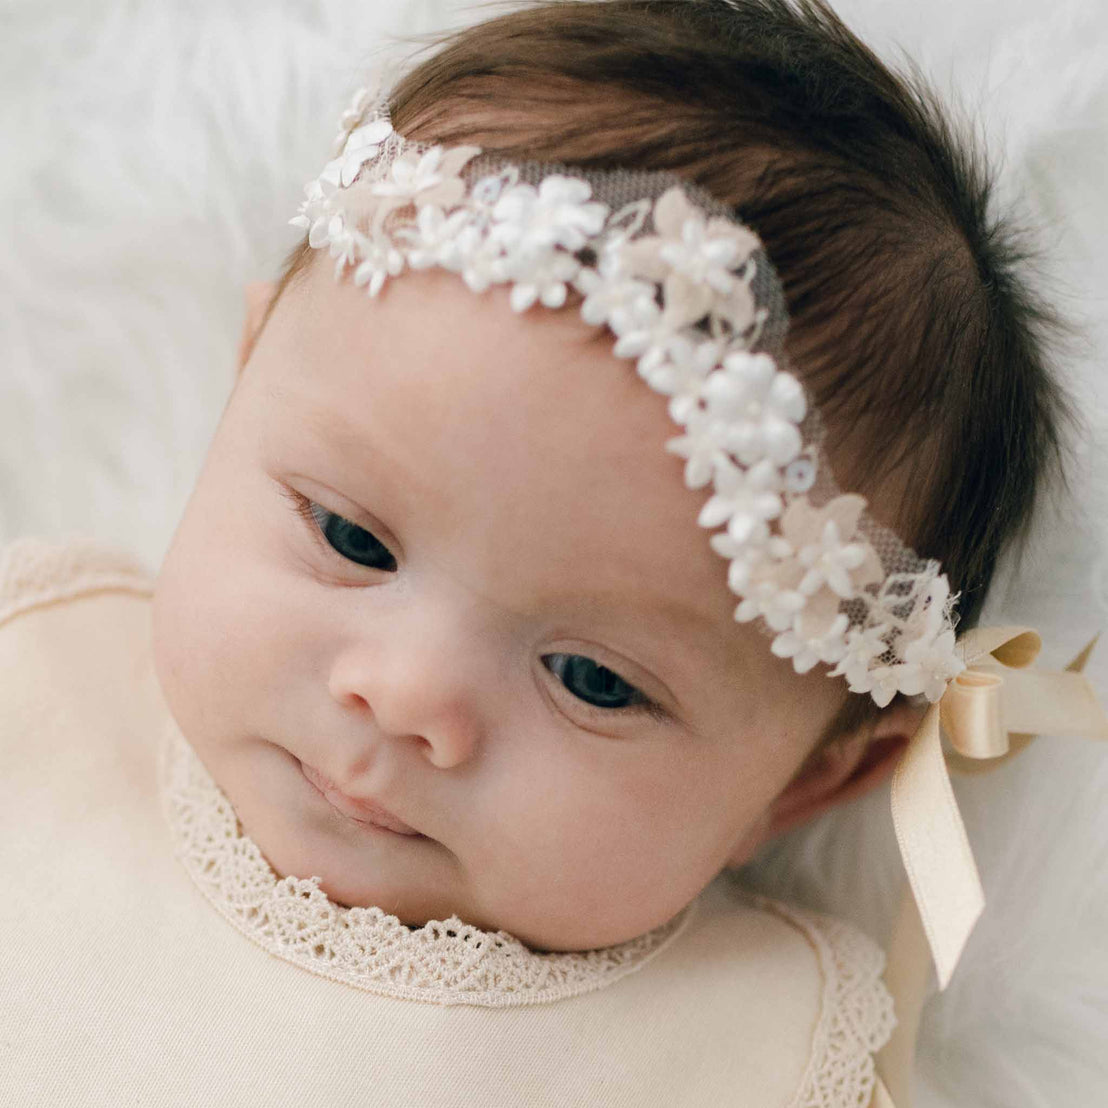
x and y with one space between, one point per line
647 708
319 530
303 508
301 505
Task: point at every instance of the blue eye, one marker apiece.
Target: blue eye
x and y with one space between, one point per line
347 539
352 542
593 683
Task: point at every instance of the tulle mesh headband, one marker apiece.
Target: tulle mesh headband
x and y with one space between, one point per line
691 298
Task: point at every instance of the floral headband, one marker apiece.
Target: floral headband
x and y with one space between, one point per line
690 296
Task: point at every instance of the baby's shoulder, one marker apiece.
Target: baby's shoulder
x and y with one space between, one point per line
35 572
814 972
75 627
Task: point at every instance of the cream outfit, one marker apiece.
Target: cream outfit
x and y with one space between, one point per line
150 956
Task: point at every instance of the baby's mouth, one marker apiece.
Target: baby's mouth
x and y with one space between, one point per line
364 812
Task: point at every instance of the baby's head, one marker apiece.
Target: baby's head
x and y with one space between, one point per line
439 558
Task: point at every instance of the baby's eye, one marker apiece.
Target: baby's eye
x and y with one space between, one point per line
347 539
353 542
593 683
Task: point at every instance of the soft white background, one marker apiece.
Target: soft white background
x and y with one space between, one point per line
150 157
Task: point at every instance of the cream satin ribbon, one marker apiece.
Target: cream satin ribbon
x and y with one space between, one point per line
881 1097
991 710
989 713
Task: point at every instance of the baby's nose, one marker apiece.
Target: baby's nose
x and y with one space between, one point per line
420 692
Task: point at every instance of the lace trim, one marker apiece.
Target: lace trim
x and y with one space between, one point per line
856 1012
35 571
443 962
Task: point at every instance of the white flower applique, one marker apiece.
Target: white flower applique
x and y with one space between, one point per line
362 145
474 255
862 648
433 177
458 240
359 145
327 222
431 181
678 367
614 296
929 664
930 598
545 278
744 559
642 331
343 243
912 613
750 409
882 683
611 296
381 259
816 562
329 228
437 239
836 562
745 499
762 406
314 215
822 539
539 231
771 594
703 446
557 213
352 117
807 653
695 259
927 644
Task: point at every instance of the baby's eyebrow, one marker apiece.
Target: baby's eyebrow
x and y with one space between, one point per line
674 610
332 429
334 432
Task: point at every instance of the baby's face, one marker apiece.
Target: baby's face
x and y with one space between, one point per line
499 622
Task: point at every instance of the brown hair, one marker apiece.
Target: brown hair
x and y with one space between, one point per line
908 322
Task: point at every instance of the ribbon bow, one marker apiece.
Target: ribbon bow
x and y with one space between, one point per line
991 710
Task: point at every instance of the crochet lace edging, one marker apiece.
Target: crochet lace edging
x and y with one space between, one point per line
856 1012
443 962
35 572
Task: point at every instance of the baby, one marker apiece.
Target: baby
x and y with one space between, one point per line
439 618
444 620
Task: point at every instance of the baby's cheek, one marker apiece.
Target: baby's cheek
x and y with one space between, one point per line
672 837
593 864
181 643
612 892
170 644
196 623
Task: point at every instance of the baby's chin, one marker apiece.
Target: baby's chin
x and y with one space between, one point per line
406 876
392 889
414 878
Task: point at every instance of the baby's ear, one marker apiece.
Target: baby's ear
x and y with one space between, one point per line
833 774
257 296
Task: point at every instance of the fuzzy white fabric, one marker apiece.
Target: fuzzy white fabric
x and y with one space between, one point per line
152 155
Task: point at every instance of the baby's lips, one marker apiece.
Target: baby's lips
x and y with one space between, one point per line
379 817
363 811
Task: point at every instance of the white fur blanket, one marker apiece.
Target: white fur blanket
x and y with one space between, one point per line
151 157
